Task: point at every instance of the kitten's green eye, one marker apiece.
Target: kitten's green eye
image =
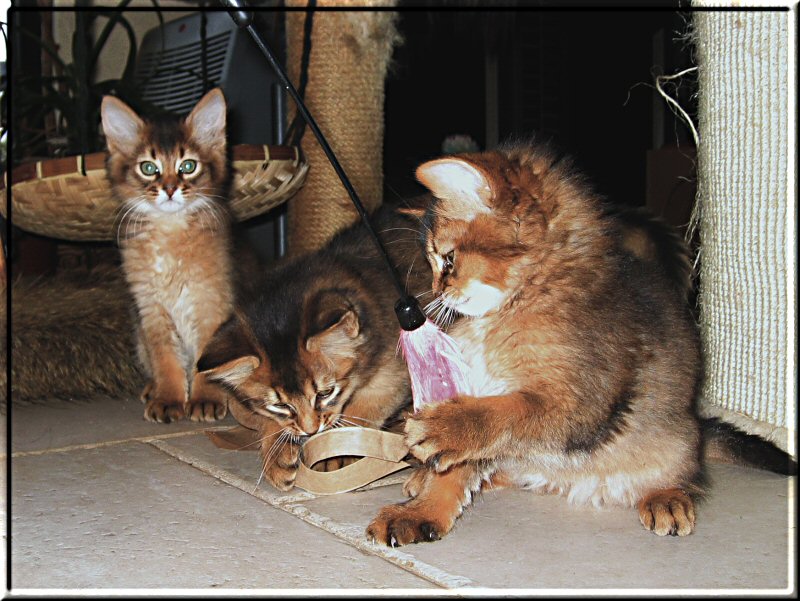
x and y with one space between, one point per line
188 166
148 168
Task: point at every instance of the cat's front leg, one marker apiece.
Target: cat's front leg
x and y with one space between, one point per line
432 513
448 433
208 402
165 396
280 455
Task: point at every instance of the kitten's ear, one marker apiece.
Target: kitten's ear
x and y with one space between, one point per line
229 357
334 325
462 185
339 339
207 119
121 126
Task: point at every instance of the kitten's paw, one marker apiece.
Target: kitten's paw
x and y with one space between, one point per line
415 482
402 524
334 463
206 411
443 435
668 511
163 412
281 466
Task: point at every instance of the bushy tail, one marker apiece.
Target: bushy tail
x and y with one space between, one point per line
651 239
725 443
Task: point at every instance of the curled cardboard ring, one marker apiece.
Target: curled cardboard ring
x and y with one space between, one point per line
381 452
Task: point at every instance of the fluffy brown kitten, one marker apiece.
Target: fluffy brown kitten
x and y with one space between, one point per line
584 355
315 347
174 236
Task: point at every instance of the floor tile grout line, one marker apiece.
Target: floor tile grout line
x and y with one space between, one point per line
293 504
108 443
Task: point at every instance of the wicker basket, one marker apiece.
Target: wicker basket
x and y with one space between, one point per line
53 198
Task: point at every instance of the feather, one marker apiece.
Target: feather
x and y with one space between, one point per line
438 371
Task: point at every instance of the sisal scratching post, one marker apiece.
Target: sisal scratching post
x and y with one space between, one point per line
350 52
746 217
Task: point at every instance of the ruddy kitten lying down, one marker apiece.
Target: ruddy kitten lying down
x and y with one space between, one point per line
315 347
583 351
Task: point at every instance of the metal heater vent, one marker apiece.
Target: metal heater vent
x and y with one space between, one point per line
169 71
173 78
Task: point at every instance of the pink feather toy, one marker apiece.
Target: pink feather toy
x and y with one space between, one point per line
437 370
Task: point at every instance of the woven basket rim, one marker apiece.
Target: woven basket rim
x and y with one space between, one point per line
77 164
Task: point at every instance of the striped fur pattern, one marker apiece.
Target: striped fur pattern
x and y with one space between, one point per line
314 344
583 350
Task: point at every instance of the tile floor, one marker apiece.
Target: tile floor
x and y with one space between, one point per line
101 499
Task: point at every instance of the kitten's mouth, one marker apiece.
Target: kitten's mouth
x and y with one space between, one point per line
170 205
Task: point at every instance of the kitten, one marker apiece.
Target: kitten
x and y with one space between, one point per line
315 347
174 237
583 351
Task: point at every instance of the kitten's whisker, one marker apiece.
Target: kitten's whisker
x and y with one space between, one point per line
258 441
268 458
363 419
408 275
126 209
264 438
275 446
397 229
418 218
440 311
398 240
433 304
260 476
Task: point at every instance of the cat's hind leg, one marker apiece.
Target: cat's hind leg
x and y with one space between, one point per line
432 513
668 511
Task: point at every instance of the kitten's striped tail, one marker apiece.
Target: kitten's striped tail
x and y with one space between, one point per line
724 443
650 238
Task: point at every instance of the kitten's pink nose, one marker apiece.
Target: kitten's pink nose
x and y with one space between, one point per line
170 190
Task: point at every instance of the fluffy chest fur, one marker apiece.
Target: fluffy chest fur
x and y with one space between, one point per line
489 373
183 269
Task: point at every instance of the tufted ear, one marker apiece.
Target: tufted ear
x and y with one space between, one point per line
207 119
461 186
229 357
333 324
122 127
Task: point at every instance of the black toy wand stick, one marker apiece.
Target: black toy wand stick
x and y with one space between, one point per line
407 308
434 362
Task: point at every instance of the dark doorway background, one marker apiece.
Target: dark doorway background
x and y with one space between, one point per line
566 76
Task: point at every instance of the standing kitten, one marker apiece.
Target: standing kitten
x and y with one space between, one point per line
582 347
316 345
175 240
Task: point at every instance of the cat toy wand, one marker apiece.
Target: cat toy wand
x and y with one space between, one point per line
434 364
